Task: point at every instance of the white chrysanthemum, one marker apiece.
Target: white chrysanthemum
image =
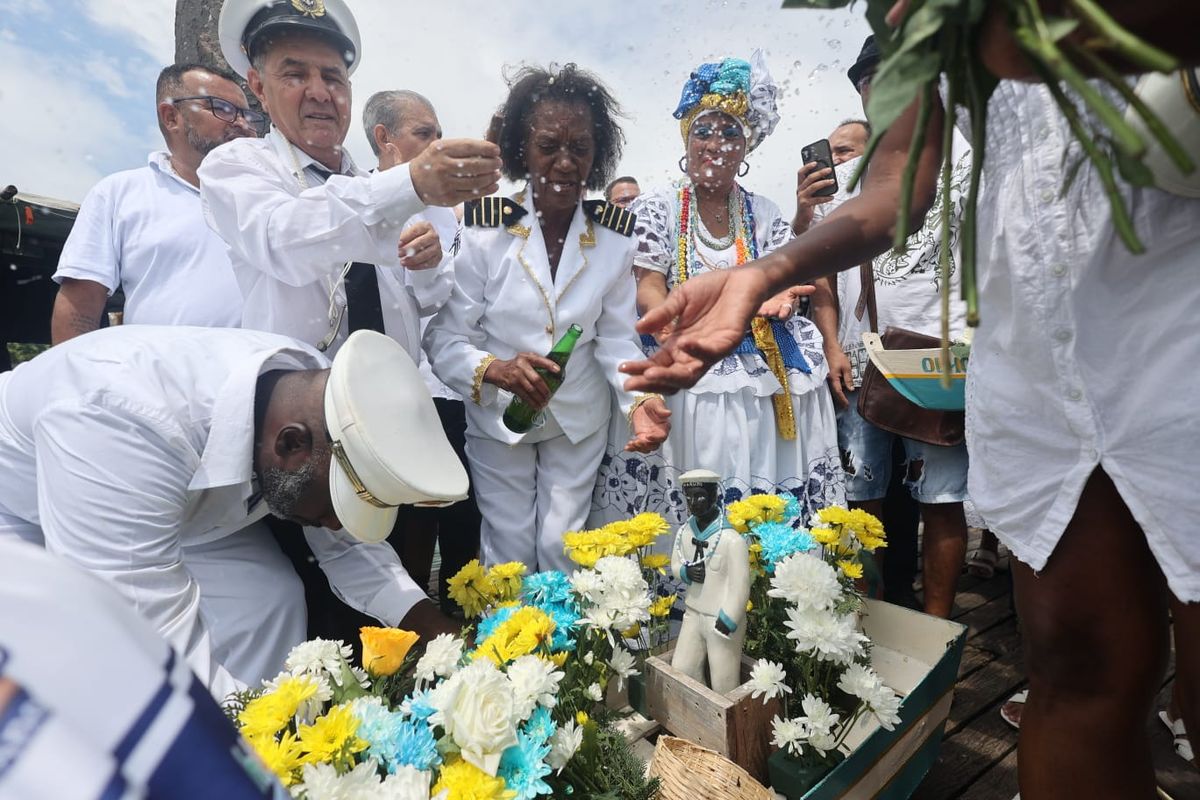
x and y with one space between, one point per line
535 682
406 783
594 692
623 665
806 582
319 657
885 705
563 745
322 782
818 715
831 637
767 680
589 658
860 681
441 657
788 734
585 583
618 597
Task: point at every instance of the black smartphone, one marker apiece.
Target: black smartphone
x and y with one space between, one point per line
820 152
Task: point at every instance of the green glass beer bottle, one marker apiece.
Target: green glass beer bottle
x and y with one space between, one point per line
519 415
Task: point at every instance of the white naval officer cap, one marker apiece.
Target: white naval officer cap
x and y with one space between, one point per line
243 24
388 446
698 477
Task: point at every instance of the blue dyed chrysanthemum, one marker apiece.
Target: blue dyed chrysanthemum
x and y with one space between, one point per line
547 588
395 741
523 766
540 725
780 540
487 625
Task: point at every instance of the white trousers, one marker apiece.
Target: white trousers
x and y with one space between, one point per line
700 642
531 494
251 600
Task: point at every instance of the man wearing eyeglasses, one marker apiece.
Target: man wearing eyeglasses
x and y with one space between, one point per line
142 230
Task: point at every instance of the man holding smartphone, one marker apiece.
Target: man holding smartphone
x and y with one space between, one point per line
815 178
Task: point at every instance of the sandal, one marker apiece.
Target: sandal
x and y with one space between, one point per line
1010 712
1182 745
981 563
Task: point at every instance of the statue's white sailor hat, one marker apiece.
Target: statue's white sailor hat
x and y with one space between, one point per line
245 25
699 477
388 446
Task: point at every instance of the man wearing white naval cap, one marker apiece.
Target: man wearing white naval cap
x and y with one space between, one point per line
141 452
304 225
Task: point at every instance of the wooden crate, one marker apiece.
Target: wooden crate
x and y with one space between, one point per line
736 725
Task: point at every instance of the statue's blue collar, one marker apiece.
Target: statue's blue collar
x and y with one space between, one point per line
713 528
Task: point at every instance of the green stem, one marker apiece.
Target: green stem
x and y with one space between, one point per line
857 175
1036 43
947 203
1130 47
977 104
1153 122
908 178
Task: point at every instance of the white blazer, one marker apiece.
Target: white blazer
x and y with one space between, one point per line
505 302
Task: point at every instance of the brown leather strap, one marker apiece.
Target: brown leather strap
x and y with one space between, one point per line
866 296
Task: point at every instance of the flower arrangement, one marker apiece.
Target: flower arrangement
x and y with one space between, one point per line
512 710
803 623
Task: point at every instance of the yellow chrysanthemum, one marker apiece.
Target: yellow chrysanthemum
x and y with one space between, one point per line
657 561
851 569
384 649
854 523
558 659
749 606
633 631
581 718
281 756
527 630
504 580
462 780
331 736
643 529
661 606
825 536
268 714
754 510
471 589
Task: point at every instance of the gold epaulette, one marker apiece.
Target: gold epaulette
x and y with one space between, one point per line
492 212
610 216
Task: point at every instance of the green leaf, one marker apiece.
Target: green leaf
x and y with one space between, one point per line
1060 28
897 83
1134 170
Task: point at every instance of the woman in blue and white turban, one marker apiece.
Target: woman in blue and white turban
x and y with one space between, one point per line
763 418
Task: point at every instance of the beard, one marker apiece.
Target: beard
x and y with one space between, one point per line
204 145
283 489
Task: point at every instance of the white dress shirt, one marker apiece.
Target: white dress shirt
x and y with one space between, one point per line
505 302
127 446
142 230
1086 354
290 233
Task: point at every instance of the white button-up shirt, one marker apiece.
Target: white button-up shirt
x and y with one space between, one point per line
1085 355
124 447
142 230
290 236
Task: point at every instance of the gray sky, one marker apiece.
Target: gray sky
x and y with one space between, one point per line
77 76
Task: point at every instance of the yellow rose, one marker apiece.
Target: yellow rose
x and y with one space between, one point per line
384 649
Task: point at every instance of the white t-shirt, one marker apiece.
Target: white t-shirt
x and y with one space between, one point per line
908 284
143 230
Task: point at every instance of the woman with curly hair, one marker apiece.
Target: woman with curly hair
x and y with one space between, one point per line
762 418
529 267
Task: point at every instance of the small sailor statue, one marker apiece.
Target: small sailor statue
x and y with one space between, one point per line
714 562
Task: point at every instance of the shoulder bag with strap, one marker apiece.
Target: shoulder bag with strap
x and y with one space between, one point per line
884 407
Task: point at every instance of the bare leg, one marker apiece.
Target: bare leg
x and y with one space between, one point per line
1095 635
942 554
1185 699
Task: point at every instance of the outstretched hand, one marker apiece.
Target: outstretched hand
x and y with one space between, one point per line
705 318
451 171
651 424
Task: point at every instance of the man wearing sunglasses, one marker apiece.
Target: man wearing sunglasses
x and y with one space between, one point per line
142 230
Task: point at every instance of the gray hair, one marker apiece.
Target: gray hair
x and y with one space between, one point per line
387 109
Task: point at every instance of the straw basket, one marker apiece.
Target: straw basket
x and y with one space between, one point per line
690 772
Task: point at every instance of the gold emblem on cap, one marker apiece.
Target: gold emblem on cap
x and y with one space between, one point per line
310 8
356 483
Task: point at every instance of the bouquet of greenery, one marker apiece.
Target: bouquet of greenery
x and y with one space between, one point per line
803 623
1062 40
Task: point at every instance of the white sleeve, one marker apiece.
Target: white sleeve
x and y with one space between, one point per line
91 252
654 231
112 494
737 585
298 239
616 339
368 577
454 339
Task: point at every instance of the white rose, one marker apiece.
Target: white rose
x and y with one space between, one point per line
478 713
